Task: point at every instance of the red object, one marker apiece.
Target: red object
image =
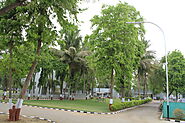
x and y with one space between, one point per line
14 114
17 114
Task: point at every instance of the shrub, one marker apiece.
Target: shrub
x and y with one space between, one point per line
123 105
178 113
132 98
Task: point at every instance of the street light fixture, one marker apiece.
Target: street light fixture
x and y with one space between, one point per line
166 62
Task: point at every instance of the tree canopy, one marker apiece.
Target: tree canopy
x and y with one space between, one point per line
116 45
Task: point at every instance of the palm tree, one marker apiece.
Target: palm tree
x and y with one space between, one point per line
75 60
157 78
72 37
145 67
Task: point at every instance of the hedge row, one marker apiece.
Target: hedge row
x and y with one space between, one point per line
123 105
132 98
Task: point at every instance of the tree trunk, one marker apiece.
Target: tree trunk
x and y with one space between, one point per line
61 85
8 8
122 88
170 93
84 87
92 92
71 81
138 84
34 74
52 84
29 76
10 81
176 95
144 90
89 86
32 69
112 83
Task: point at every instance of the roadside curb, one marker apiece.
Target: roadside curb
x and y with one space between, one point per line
175 121
86 112
33 117
161 118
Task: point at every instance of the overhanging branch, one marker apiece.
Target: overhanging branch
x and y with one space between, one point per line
11 6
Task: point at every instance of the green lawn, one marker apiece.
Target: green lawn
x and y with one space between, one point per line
83 105
91 105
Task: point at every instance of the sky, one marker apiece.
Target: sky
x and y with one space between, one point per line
167 14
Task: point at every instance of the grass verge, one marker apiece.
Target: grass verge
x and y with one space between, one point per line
91 105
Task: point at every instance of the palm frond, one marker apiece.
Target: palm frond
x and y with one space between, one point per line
83 53
56 52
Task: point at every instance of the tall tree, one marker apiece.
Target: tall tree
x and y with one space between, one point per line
4 9
71 37
41 28
176 67
114 42
75 60
35 18
145 68
10 34
157 79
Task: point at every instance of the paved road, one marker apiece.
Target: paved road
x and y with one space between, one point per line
147 113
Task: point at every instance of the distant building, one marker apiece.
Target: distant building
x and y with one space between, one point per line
135 93
104 92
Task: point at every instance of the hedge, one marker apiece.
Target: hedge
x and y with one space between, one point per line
123 105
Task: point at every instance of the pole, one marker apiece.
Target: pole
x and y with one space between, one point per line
166 64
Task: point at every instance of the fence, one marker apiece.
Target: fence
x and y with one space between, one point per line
173 106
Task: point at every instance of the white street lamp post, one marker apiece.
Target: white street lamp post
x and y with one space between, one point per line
166 62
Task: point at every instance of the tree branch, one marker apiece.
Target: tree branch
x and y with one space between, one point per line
11 6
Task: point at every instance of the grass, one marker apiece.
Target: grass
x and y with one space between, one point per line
91 105
83 105
1 91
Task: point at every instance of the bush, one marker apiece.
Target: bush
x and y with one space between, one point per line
178 113
132 98
123 105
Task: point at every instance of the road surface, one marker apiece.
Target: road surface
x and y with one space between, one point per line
147 113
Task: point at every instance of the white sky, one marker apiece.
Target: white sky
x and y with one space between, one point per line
168 14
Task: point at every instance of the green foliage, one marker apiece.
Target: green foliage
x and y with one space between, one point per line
25 27
123 105
145 68
176 68
90 105
115 44
14 64
71 36
132 98
157 79
176 73
76 64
